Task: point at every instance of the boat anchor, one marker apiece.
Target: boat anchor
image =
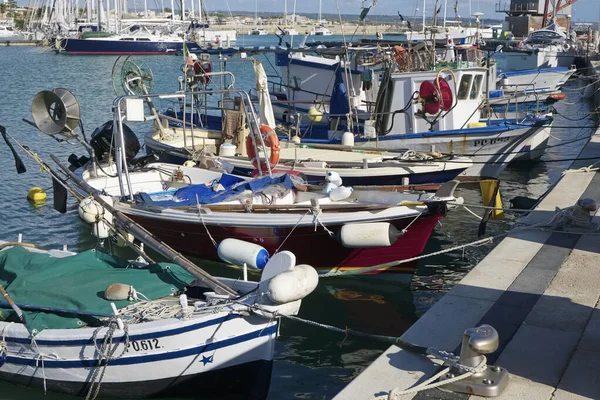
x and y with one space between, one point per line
489 381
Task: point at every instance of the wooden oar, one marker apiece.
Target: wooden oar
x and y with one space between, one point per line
13 305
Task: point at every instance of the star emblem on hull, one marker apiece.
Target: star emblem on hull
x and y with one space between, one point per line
207 360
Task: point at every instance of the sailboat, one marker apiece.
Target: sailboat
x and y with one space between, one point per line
320 29
257 30
287 30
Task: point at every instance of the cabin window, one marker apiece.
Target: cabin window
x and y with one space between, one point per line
143 39
463 87
476 88
127 38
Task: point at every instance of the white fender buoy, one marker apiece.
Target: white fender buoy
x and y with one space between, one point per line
90 210
100 229
293 285
334 178
366 235
340 193
329 187
347 139
280 262
240 252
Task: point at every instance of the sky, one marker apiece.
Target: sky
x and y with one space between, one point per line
583 10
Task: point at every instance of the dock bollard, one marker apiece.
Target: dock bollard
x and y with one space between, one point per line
489 382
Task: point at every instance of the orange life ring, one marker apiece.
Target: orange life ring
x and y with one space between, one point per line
271 140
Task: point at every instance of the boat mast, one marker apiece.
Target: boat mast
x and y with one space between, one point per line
255 12
99 15
285 12
200 16
445 7
424 4
192 9
172 10
320 2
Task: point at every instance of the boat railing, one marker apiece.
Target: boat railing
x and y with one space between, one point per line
130 108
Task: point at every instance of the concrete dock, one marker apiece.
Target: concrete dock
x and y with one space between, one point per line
539 289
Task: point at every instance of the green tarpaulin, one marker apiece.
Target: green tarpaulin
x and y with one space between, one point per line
78 282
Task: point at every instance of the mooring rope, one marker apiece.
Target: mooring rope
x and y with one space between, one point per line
105 354
357 271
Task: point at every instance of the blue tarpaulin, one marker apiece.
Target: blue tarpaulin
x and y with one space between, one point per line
207 195
338 104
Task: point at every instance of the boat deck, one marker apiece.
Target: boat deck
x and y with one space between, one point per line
540 290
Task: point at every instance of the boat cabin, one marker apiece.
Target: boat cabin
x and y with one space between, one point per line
462 93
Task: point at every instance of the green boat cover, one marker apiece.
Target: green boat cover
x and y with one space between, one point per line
77 283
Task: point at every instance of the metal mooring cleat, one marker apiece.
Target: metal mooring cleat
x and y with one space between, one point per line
488 381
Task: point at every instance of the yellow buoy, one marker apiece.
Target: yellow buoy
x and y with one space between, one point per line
36 194
488 188
314 114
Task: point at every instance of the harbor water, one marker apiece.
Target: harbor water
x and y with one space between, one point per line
311 363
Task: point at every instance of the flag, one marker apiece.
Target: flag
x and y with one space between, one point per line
363 13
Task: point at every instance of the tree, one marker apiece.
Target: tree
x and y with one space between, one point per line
2 8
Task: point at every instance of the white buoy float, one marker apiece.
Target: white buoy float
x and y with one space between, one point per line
347 139
90 210
292 285
340 193
240 252
366 235
334 178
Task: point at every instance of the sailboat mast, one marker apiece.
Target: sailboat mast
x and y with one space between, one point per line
424 5
285 12
320 3
445 7
172 10
200 16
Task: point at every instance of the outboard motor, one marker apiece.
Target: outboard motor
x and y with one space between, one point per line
103 142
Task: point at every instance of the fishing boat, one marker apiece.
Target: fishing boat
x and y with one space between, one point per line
445 120
277 214
314 162
128 329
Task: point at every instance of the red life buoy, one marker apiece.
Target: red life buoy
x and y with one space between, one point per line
272 141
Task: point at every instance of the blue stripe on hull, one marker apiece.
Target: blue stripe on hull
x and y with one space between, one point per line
414 179
91 46
158 334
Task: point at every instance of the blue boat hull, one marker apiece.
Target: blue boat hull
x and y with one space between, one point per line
122 47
